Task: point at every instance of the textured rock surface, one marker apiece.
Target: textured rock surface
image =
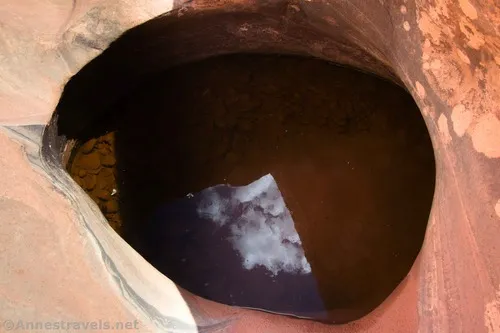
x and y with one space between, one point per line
94 164
445 52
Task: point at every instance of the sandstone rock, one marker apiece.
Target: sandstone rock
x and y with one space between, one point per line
95 171
88 146
108 160
90 181
108 138
111 206
80 182
96 200
106 172
115 223
90 162
100 146
103 195
105 150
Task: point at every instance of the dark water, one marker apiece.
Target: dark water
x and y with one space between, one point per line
229 244
349 153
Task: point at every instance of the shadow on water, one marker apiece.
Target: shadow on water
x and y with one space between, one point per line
345 157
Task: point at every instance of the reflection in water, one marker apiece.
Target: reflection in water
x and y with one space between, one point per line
234 237
262 229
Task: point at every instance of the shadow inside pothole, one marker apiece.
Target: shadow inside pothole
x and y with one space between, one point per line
347 154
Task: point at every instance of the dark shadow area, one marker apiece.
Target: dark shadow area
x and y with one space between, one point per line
349 152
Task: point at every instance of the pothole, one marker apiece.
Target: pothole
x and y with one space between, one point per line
279 183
